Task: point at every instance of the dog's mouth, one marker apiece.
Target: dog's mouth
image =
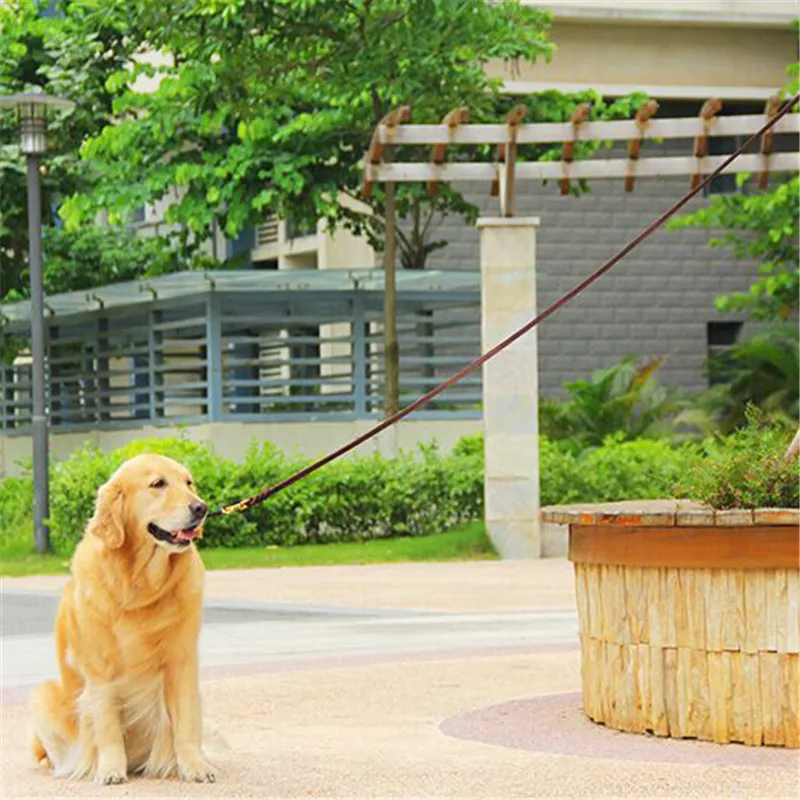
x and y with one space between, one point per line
181 538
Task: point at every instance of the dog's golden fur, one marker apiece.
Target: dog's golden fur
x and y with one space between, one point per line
127 634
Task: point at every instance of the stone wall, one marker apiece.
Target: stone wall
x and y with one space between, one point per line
657 301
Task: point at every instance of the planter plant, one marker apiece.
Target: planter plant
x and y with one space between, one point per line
690 609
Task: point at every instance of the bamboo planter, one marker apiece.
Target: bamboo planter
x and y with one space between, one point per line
689 619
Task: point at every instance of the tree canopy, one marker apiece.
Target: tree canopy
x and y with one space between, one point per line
244 109
268 108
57 54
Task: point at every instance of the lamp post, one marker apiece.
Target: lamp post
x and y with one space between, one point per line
32 108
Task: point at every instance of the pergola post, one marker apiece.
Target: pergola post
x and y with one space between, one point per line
510 386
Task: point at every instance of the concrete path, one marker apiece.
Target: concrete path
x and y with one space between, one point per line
452 680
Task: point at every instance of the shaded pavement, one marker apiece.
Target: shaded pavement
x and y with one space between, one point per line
417 680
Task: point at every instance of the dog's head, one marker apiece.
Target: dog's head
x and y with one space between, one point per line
150 498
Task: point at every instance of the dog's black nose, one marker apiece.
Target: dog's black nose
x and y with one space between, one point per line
198 509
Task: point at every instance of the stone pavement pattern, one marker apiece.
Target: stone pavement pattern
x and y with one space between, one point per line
389 681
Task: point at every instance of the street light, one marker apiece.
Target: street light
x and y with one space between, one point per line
32 108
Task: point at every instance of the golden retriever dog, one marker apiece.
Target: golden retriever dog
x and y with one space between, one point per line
127 635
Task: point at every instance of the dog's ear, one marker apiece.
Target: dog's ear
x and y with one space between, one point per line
107 523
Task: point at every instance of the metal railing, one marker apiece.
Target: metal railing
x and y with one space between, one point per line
203 362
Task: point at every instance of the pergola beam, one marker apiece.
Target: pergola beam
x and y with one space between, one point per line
770 110
591 168
617 130
579 117
383 137
708 114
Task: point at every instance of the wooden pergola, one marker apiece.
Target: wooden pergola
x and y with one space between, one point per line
504 172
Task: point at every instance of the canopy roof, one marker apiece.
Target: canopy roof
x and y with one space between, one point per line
253 288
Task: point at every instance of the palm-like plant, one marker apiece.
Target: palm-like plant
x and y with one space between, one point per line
764 370
625 400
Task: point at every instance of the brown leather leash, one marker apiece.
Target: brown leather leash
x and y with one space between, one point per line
256 499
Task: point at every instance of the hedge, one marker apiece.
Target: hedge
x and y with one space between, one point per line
362 498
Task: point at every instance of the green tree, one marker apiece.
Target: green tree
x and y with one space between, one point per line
268 108
762 227
49 53
762 370
65 55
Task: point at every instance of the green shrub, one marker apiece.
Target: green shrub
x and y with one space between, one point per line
358 499
363 498
617 470
74 481
762 370
637 470
747 469
16 503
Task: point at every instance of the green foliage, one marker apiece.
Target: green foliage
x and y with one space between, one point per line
60 56
617 470
270 109
250 109
367 498
96 256
625 400
763 370
763 227
747 469
16 503
353 500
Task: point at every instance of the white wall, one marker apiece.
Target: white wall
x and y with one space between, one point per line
231 439
686 61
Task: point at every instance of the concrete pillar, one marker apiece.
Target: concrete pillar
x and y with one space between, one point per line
510 386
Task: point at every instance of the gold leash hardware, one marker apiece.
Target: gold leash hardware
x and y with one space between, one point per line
240 506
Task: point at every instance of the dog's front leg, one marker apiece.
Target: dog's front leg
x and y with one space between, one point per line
103 706
183 707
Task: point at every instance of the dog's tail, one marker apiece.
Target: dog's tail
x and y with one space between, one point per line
71 679
55 702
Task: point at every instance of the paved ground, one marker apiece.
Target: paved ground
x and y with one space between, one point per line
457 680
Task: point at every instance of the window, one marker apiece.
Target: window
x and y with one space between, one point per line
720 338
297 229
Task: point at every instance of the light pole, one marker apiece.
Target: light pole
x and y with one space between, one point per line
32 108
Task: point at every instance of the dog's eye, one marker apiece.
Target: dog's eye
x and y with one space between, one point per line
189 482
158 483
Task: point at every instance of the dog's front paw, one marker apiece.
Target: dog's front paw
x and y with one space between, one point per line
197 769
110 776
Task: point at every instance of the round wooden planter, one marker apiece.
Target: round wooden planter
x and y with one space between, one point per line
689 619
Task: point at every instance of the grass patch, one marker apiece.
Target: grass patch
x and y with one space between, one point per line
19 558
465 543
